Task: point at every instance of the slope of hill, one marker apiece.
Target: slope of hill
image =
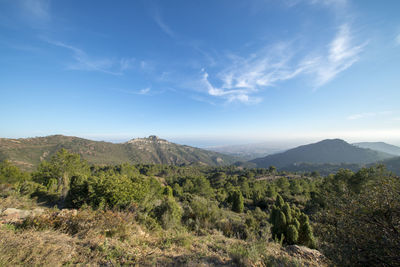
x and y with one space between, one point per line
334 151
29 152
392 164
380 146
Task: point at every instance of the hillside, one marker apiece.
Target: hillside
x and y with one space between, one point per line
29 152
323 169
392 164
380 146
333 151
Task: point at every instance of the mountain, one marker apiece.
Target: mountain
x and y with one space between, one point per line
333 151
392 164
29 152
380 146
248 151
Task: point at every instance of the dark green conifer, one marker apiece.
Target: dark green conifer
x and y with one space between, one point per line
291 234
237 201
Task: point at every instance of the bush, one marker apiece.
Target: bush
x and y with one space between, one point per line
200 213
11 174
237 202
169 213
61 168
290 225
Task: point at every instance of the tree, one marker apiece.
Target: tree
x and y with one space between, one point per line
237 201
360 223
272 169
292 234
61 168
11 174
290 225
169 213
306 236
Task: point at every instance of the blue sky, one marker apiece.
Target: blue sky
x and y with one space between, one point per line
201 72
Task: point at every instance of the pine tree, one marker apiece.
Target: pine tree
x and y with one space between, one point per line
291 234
290 224
279 202
237 202
306 236
288 212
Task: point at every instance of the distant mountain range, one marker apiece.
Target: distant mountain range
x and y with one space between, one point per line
29 152
380 146
326 156
248 151
330 151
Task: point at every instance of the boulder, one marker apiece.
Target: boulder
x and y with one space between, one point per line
64 213
306 253
12 215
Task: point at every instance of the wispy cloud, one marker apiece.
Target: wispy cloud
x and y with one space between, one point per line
337 4
86 63
231 95
127 63
369 115
397 40
273 64
161 23
342 54
144 91
361 116
36 9
329 2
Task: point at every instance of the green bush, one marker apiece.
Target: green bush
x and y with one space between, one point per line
290 225
169 213
200 213
237 201
11 174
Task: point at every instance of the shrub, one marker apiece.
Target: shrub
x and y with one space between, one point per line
200 213
237 201
169 213
290 225
11 174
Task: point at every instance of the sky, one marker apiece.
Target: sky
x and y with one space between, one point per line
202 73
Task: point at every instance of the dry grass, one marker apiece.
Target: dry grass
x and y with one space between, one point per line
16 201
97 238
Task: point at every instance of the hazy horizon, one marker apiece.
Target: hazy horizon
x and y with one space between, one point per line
206 143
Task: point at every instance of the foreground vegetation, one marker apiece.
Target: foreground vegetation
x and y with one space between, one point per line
196 215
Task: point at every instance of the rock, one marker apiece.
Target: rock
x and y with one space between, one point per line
37 211
67 213
12 215
306 253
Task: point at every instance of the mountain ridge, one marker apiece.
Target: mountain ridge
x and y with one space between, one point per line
27 153
332 151
380 146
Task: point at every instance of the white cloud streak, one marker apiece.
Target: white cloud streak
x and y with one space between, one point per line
342 54
163 26
361 116
85 63
36 9
144 91
369 115
397 40
247 76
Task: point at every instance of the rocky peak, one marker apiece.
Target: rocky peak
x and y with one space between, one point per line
150 139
